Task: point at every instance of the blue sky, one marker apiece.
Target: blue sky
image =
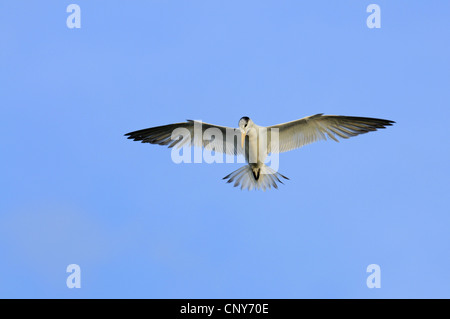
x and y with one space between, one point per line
75 191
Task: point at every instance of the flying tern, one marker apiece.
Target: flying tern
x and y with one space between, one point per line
257 142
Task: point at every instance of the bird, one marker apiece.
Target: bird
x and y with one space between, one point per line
257 142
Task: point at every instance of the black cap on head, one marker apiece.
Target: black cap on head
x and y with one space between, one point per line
245 118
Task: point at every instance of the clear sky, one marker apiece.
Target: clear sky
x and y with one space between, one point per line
74 190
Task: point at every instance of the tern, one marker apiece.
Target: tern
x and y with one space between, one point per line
257 142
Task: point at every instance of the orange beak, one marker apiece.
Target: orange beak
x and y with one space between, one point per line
242 139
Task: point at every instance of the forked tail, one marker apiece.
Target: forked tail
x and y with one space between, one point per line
249 177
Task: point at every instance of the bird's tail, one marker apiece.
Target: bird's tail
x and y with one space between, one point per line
262 177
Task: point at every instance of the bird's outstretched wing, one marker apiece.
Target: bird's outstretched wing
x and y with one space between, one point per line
295 134
212 137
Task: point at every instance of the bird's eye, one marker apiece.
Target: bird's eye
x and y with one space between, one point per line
245 125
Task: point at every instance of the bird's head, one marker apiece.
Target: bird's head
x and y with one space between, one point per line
245 124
